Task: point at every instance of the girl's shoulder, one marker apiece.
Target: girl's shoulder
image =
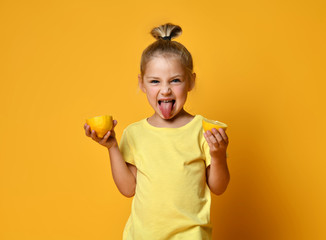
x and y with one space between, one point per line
135 125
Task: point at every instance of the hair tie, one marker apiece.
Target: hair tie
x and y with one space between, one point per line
166 38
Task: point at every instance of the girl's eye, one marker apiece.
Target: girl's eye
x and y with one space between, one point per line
154 81
176 80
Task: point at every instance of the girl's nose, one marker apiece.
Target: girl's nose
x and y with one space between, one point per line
166 90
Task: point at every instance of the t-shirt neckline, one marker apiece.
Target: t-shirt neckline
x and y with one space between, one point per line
187 125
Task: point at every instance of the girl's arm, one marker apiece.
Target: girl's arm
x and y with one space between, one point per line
218 175
124 174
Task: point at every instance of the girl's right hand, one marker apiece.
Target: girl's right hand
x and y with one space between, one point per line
108 139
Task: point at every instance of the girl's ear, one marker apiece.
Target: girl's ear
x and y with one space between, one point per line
192 82
141 83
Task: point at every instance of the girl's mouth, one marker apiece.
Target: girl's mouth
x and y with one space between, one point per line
166 107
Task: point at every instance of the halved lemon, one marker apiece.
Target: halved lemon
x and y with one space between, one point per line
101 124
210 124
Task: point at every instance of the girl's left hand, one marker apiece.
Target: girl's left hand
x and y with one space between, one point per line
218 142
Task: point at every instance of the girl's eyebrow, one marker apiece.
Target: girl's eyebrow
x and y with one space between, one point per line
159 78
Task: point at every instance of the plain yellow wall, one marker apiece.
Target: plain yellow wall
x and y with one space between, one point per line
260 68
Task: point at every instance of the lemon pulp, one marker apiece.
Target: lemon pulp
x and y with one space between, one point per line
210 124
100 124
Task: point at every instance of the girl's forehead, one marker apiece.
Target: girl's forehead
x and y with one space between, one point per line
164 63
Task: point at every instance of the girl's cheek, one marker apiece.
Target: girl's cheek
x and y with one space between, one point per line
152 95
181 91
151 91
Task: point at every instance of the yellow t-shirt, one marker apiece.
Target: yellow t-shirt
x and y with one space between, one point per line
172 199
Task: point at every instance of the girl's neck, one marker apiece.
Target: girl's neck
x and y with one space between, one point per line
181 119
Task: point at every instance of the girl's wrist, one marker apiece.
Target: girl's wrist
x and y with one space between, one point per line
221 159
113 146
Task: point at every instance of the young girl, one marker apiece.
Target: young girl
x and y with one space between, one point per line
166 161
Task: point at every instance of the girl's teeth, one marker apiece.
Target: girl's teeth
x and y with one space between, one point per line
165 101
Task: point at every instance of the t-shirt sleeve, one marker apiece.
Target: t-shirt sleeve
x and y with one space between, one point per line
206 152
126 149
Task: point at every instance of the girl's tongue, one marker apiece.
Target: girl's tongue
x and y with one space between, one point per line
166 108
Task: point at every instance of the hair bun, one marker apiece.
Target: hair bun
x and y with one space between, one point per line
167 30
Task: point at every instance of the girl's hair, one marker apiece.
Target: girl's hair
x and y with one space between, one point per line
167 48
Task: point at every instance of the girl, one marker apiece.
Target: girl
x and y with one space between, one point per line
166 161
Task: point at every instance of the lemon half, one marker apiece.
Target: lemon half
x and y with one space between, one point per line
210 124
101 124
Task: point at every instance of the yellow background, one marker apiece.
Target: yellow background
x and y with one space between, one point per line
260 68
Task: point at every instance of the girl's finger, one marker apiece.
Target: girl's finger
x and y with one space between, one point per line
106 136
115 122
225 137
217 135
94 136
210 144
212 139
87 131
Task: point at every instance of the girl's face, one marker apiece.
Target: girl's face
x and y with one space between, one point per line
166 86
